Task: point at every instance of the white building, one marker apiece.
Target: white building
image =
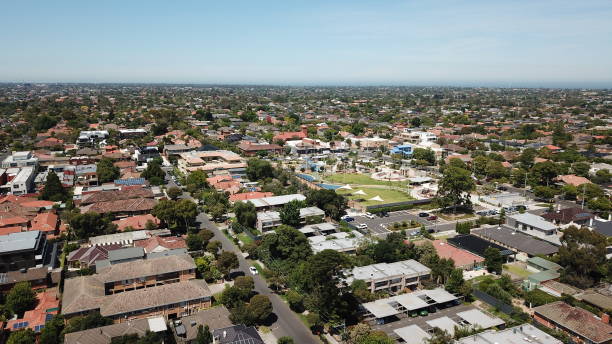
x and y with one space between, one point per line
91 136
20 159
392 277
269 220
22 183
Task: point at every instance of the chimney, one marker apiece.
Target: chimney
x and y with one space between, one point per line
605 318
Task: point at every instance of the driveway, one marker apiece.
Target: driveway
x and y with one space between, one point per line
287 322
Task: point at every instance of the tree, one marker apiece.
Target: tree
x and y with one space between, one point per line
245 284
583 256
440 336
154 173
493 260
258 169
581 169
544 172
204 336
194 242
52 332
284 248
148 338
290 213
174 193
20 298
285 340
455 186
26 336
53 190
106 170
91 320
544 192
196 180
332 203
415 122
259 308
207 269
83 226
213 247
295 300
246 215
227 261
424 157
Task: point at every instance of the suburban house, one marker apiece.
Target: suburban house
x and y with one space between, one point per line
105 334
583 326
274 202
569 216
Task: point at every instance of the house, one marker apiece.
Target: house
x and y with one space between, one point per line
105 334
535 226
269 220
91 136
463 259
176 149
144 154
122 207
217 162
569 216
24 250
294 135
405 150
47 305
253 149
20 159
186 328
390 277
160 244
581 325
346 242
47 222
137 222
249 195
571 179
22 181
237 334
274 202
516 240
86 257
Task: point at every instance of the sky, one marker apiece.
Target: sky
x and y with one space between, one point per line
515 43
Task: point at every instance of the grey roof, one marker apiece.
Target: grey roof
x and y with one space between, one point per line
444 323
410 301
534 221
476 317
412 334
104 334
126 253
237 334
387 270
547 264
324 226
173 252
603 227
215 318
517 240
514 335
275 200
147 267
19 241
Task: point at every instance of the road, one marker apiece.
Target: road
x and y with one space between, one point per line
287 322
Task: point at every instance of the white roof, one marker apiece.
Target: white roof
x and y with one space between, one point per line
376 271
444 323
412 334
522 334
411 301
476 317
533 220
380 309
157 324
439 295
118 238
275 200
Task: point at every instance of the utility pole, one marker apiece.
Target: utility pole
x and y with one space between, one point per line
583 193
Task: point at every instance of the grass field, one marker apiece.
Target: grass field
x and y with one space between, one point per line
361 179
517 270
388 196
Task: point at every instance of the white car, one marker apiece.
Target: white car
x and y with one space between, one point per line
369 215
362 226
253 270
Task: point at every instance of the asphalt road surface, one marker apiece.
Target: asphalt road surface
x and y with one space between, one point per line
378 225
287 322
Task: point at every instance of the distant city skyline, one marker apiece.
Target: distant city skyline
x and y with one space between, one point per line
396 43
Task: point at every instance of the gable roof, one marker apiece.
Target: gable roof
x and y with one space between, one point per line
576 320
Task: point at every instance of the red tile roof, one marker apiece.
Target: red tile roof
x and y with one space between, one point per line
45 222
48 303
156 243
249 195
459 256
11 221
136 222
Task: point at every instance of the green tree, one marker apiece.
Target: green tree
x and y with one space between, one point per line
204 335
440 337
424 157
196 180
52 332
26 336
174 193
53 190
455 282
106 170
290 213
154 173
286 247
332 203
20 298
246 214
89 224
194 242
227 261
544 192
259 308
455 186
583 256
581 169
295 300
86 322
493 260
258 169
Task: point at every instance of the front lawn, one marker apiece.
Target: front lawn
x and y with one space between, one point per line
517 270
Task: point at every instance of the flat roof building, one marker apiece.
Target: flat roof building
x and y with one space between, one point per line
391 277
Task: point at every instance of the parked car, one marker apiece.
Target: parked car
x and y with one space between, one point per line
369 215
347 218
423 214
432 218
362 226
253 270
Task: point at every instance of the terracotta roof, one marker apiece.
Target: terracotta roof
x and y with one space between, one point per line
249 195
573 179
11 221
115 195
459 256
254 147
9 230
576 320
157 243
48 303
136 222
568 215
121 206
45 222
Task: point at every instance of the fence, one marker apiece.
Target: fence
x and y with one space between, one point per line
493 301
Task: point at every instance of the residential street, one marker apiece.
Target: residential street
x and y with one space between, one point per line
287 322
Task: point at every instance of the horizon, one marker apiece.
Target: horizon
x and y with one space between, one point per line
560 44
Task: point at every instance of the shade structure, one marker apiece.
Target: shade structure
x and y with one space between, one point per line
359 192
376 198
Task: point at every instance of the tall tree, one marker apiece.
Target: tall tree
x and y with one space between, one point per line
227 261
204 336
20 298
246 215
583 256
493 260
455 186
53 190
290 213
106 170
332 203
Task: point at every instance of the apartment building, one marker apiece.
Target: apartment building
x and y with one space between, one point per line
269 220
390 277
164 285
20 159
217 162
23 250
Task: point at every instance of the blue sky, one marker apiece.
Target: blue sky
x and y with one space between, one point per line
505 43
